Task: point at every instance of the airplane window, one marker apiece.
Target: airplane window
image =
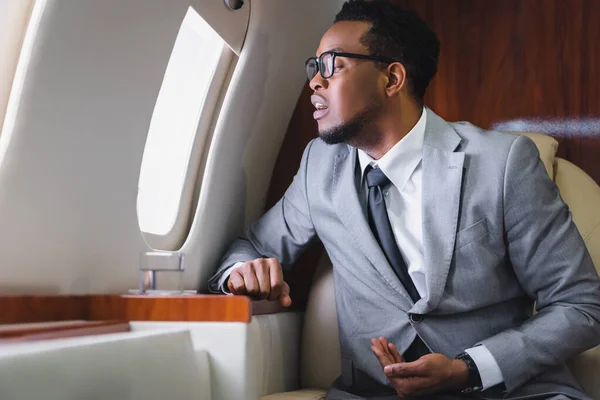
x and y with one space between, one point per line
14 18
174 124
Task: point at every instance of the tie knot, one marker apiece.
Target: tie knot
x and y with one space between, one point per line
376 177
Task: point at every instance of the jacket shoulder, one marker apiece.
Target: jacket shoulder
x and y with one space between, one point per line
475 137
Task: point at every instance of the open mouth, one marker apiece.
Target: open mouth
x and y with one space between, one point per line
320 105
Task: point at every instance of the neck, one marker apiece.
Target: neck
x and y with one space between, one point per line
388 130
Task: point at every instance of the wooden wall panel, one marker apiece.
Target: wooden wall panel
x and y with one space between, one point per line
510 60
501 61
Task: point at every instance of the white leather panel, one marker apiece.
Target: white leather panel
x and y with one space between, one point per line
73 139
133 366
226 344
246 360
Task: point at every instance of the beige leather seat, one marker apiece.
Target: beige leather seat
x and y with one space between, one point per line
319 347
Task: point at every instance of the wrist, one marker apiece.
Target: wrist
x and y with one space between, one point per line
473 378
460 374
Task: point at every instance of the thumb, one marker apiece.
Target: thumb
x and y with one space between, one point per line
285 298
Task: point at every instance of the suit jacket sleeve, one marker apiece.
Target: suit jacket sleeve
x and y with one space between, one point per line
552 264
282 233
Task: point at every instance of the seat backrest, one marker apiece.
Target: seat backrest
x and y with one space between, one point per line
582 195
320 349
319 344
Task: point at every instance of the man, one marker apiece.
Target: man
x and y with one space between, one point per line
441 235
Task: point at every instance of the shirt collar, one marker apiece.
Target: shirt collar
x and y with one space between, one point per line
402 159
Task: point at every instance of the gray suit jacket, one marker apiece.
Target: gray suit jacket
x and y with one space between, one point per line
496 235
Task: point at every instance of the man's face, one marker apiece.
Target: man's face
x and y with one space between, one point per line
354 94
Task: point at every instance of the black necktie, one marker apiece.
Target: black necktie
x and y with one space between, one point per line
382 229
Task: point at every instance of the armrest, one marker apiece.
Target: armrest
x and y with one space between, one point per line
24 309
586 369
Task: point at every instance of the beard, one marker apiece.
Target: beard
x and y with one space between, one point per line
350 131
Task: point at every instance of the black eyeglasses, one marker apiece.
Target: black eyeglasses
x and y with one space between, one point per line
325 63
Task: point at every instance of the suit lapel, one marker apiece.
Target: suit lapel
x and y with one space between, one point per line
348 208
441 188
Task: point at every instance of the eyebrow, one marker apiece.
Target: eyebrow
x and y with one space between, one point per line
334 49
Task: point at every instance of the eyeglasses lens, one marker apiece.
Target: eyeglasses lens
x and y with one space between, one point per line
311 68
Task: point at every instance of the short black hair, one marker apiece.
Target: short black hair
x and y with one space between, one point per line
399 34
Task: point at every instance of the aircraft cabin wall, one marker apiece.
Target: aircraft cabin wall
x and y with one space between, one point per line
77 123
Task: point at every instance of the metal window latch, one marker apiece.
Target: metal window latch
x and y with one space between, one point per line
234 4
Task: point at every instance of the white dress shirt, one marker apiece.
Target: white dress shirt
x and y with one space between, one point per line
402 165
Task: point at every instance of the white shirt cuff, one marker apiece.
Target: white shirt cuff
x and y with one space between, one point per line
224 277
489 371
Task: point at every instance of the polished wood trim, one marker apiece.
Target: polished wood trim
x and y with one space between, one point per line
23 309
217 308
220 308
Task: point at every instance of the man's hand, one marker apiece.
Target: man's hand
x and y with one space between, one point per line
386 352
261 279
430 374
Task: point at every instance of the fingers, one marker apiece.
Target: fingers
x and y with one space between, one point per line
395 353
250 280
261 279
275 278
280 290
285 298
379 349
384 342
235 283
386 347
381 356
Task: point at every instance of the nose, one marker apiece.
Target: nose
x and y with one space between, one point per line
317 82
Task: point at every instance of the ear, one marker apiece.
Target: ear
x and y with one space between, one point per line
396 79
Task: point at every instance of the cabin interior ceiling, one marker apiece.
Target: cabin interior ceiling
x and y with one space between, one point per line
77 121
